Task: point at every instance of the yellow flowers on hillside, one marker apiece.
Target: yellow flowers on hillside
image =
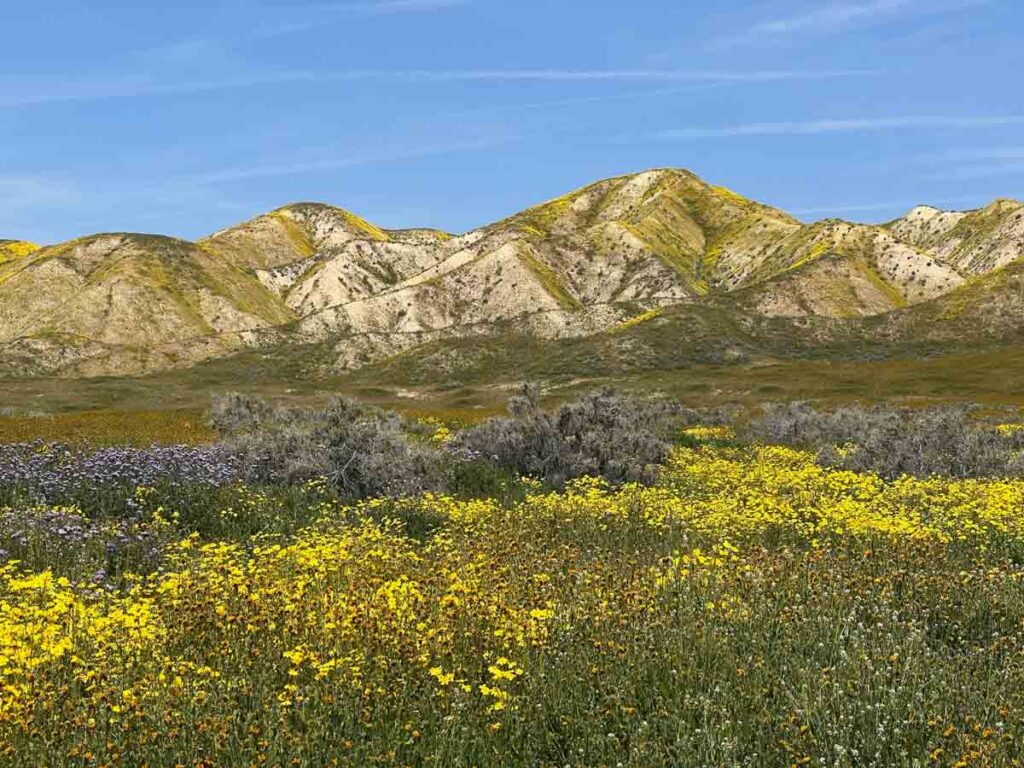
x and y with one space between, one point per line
636 320
750 599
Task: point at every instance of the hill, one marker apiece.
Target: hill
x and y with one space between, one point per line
973 242
127 304
655 270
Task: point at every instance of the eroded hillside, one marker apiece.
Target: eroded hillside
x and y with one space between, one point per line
576 267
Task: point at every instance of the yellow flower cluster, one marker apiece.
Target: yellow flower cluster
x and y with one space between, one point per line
44 623
442 433
734 493
710 433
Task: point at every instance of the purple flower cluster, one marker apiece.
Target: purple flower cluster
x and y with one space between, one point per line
51 473
66 542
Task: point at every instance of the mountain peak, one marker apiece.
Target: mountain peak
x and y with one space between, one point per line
925 211
291 234
973 242
326 220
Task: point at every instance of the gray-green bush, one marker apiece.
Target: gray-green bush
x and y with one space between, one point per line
604 434
361 451
894 441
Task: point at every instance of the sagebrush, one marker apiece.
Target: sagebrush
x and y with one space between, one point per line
946 441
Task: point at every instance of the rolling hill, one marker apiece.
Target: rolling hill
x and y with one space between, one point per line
655 269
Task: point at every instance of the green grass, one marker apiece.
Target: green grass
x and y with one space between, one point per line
488 374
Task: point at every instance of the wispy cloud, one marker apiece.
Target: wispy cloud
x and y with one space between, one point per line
671 75
338 160
28 91
273 22
398 6
964 164
830 18
631 95
821 18
973 153
893 205
845 125
36 91
382 6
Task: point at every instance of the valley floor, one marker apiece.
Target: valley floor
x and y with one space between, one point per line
989 376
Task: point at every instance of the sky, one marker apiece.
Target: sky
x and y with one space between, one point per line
187 117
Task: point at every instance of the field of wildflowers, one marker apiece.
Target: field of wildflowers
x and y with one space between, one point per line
749 608
138 428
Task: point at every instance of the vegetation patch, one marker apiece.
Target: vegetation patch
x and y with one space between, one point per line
542 219
887 289
295 234
362 225
139 428
745 605
11 250
549 280
732 197
636 320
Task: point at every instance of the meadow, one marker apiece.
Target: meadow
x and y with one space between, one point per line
748 605
138 428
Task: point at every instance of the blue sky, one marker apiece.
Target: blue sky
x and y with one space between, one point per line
182 119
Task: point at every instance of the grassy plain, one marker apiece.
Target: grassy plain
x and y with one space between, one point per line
168 407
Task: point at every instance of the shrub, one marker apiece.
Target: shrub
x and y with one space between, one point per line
366 452
602 434
893 442
235 413
361 451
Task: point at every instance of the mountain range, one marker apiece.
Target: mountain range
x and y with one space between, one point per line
658 266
